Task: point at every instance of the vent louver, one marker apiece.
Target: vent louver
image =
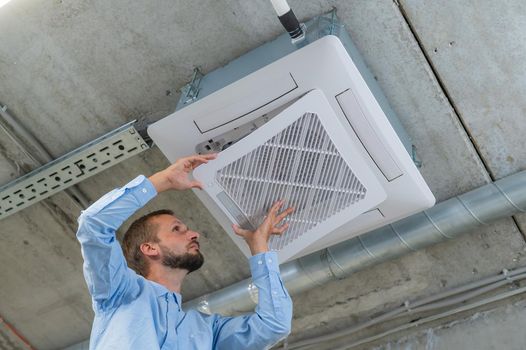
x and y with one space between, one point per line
300 164
303 156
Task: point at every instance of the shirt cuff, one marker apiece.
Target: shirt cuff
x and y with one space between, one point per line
142 189
261 264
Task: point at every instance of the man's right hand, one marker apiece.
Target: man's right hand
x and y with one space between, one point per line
258 240
177 175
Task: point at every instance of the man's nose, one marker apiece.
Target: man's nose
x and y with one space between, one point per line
192 235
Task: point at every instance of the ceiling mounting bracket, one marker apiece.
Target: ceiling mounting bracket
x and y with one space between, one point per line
72 168
191 90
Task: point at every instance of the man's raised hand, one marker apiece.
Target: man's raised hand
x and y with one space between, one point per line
177 175
258 240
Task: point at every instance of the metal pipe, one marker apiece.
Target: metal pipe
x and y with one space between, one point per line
36 151
478 303
444 221
437 301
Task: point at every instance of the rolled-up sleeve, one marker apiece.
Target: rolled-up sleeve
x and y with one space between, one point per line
271 321
107 275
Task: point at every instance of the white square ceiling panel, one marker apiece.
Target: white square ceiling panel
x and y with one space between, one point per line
304 156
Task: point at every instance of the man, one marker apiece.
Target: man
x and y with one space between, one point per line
141 309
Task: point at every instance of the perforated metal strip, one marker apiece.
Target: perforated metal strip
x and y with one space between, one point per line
301 165
71 168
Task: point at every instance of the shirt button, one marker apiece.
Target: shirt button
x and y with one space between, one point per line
274 292
260 262
144 190
270 260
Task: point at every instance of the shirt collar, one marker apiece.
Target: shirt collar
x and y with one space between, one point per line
161 290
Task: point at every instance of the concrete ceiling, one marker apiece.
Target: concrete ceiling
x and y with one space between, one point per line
72 70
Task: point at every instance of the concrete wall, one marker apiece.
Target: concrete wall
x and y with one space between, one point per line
72 70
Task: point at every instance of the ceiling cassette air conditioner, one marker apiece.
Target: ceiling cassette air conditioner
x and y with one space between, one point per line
306 128
303 156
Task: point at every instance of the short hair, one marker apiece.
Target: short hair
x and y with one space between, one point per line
141 231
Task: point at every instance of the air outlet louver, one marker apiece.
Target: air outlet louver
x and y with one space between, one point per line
300 164
301 156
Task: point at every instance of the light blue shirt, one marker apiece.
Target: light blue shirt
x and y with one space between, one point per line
132 312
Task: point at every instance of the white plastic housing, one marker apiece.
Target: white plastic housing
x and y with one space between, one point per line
304 156
326 66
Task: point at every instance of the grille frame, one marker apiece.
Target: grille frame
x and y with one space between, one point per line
314 102
301 165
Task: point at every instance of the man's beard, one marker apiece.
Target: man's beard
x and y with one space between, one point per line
186 261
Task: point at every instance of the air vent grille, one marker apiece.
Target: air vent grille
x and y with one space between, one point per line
299 164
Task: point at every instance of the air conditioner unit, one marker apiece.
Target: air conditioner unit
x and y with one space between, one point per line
306 128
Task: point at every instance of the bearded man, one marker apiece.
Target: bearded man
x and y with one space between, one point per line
136 289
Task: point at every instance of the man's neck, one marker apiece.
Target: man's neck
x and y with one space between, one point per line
171 278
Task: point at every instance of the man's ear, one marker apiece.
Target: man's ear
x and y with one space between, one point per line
150 249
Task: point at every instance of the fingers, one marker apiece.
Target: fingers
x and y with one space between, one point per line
284 214
209 156
240 231
275 207
196 184
274 219
278 230
273 212
269 225
199 159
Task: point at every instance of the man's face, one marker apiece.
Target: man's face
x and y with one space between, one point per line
179 246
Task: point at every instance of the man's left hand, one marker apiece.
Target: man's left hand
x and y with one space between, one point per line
258 240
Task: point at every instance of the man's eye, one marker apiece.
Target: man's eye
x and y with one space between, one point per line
176 228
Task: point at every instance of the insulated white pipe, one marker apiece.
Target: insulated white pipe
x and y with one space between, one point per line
288 19
281 7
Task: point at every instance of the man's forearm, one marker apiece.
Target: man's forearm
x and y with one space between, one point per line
274 303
